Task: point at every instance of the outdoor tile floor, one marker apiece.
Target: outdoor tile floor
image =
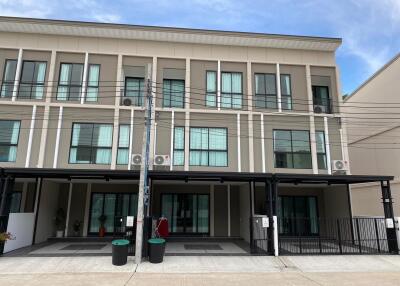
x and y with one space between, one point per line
74 248
224 248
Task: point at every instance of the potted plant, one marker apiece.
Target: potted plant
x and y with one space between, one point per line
4 236
102 229
77 227
59 221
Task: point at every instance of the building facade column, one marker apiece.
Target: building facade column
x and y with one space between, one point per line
47 109
58 137
278 87
114 149
313 142
17 75
85 76
250 116
30 138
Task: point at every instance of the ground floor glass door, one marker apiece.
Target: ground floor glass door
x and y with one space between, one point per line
111 205
186 213
298 215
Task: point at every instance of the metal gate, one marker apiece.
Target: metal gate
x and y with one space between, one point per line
335 236
260 243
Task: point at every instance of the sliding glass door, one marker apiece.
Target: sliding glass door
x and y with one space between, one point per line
186 213
298 215
111 205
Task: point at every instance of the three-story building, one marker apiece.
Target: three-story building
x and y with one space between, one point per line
243 124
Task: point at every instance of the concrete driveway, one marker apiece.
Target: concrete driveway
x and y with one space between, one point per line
203 270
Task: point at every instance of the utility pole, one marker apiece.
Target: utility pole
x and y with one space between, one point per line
143 195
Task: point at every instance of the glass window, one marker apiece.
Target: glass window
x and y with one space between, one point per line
211 96
123 144
231 95
298 215
70 82
32 80
173 93
321 151
134 89
265 87
292 149
179 146
93 83
9 134
91 143
208 147
7 85
15 202
321 99
286 92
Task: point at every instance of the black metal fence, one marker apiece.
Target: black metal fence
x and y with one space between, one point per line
333 236
260 242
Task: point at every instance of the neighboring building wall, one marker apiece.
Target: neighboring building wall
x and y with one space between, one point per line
374 139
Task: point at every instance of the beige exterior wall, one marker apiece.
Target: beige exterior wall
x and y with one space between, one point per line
172 60
373 139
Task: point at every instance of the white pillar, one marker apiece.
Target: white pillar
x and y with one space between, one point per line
239 153
131 140
116 115
262 143
314 158
249 87
58 136
85 75
187 134
31 130
276 244
219 85
187 84
46 115
278 87
17 75
87 206
250 116
327 145
171 166
68 208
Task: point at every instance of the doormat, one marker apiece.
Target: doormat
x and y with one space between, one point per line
84 246
202 247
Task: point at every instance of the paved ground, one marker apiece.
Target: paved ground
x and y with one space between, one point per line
204 270
68 248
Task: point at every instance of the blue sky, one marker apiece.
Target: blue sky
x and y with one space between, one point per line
370 28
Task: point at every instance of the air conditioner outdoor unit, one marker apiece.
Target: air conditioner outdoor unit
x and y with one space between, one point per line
319 108
127 101
162 160
340 165
136 159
